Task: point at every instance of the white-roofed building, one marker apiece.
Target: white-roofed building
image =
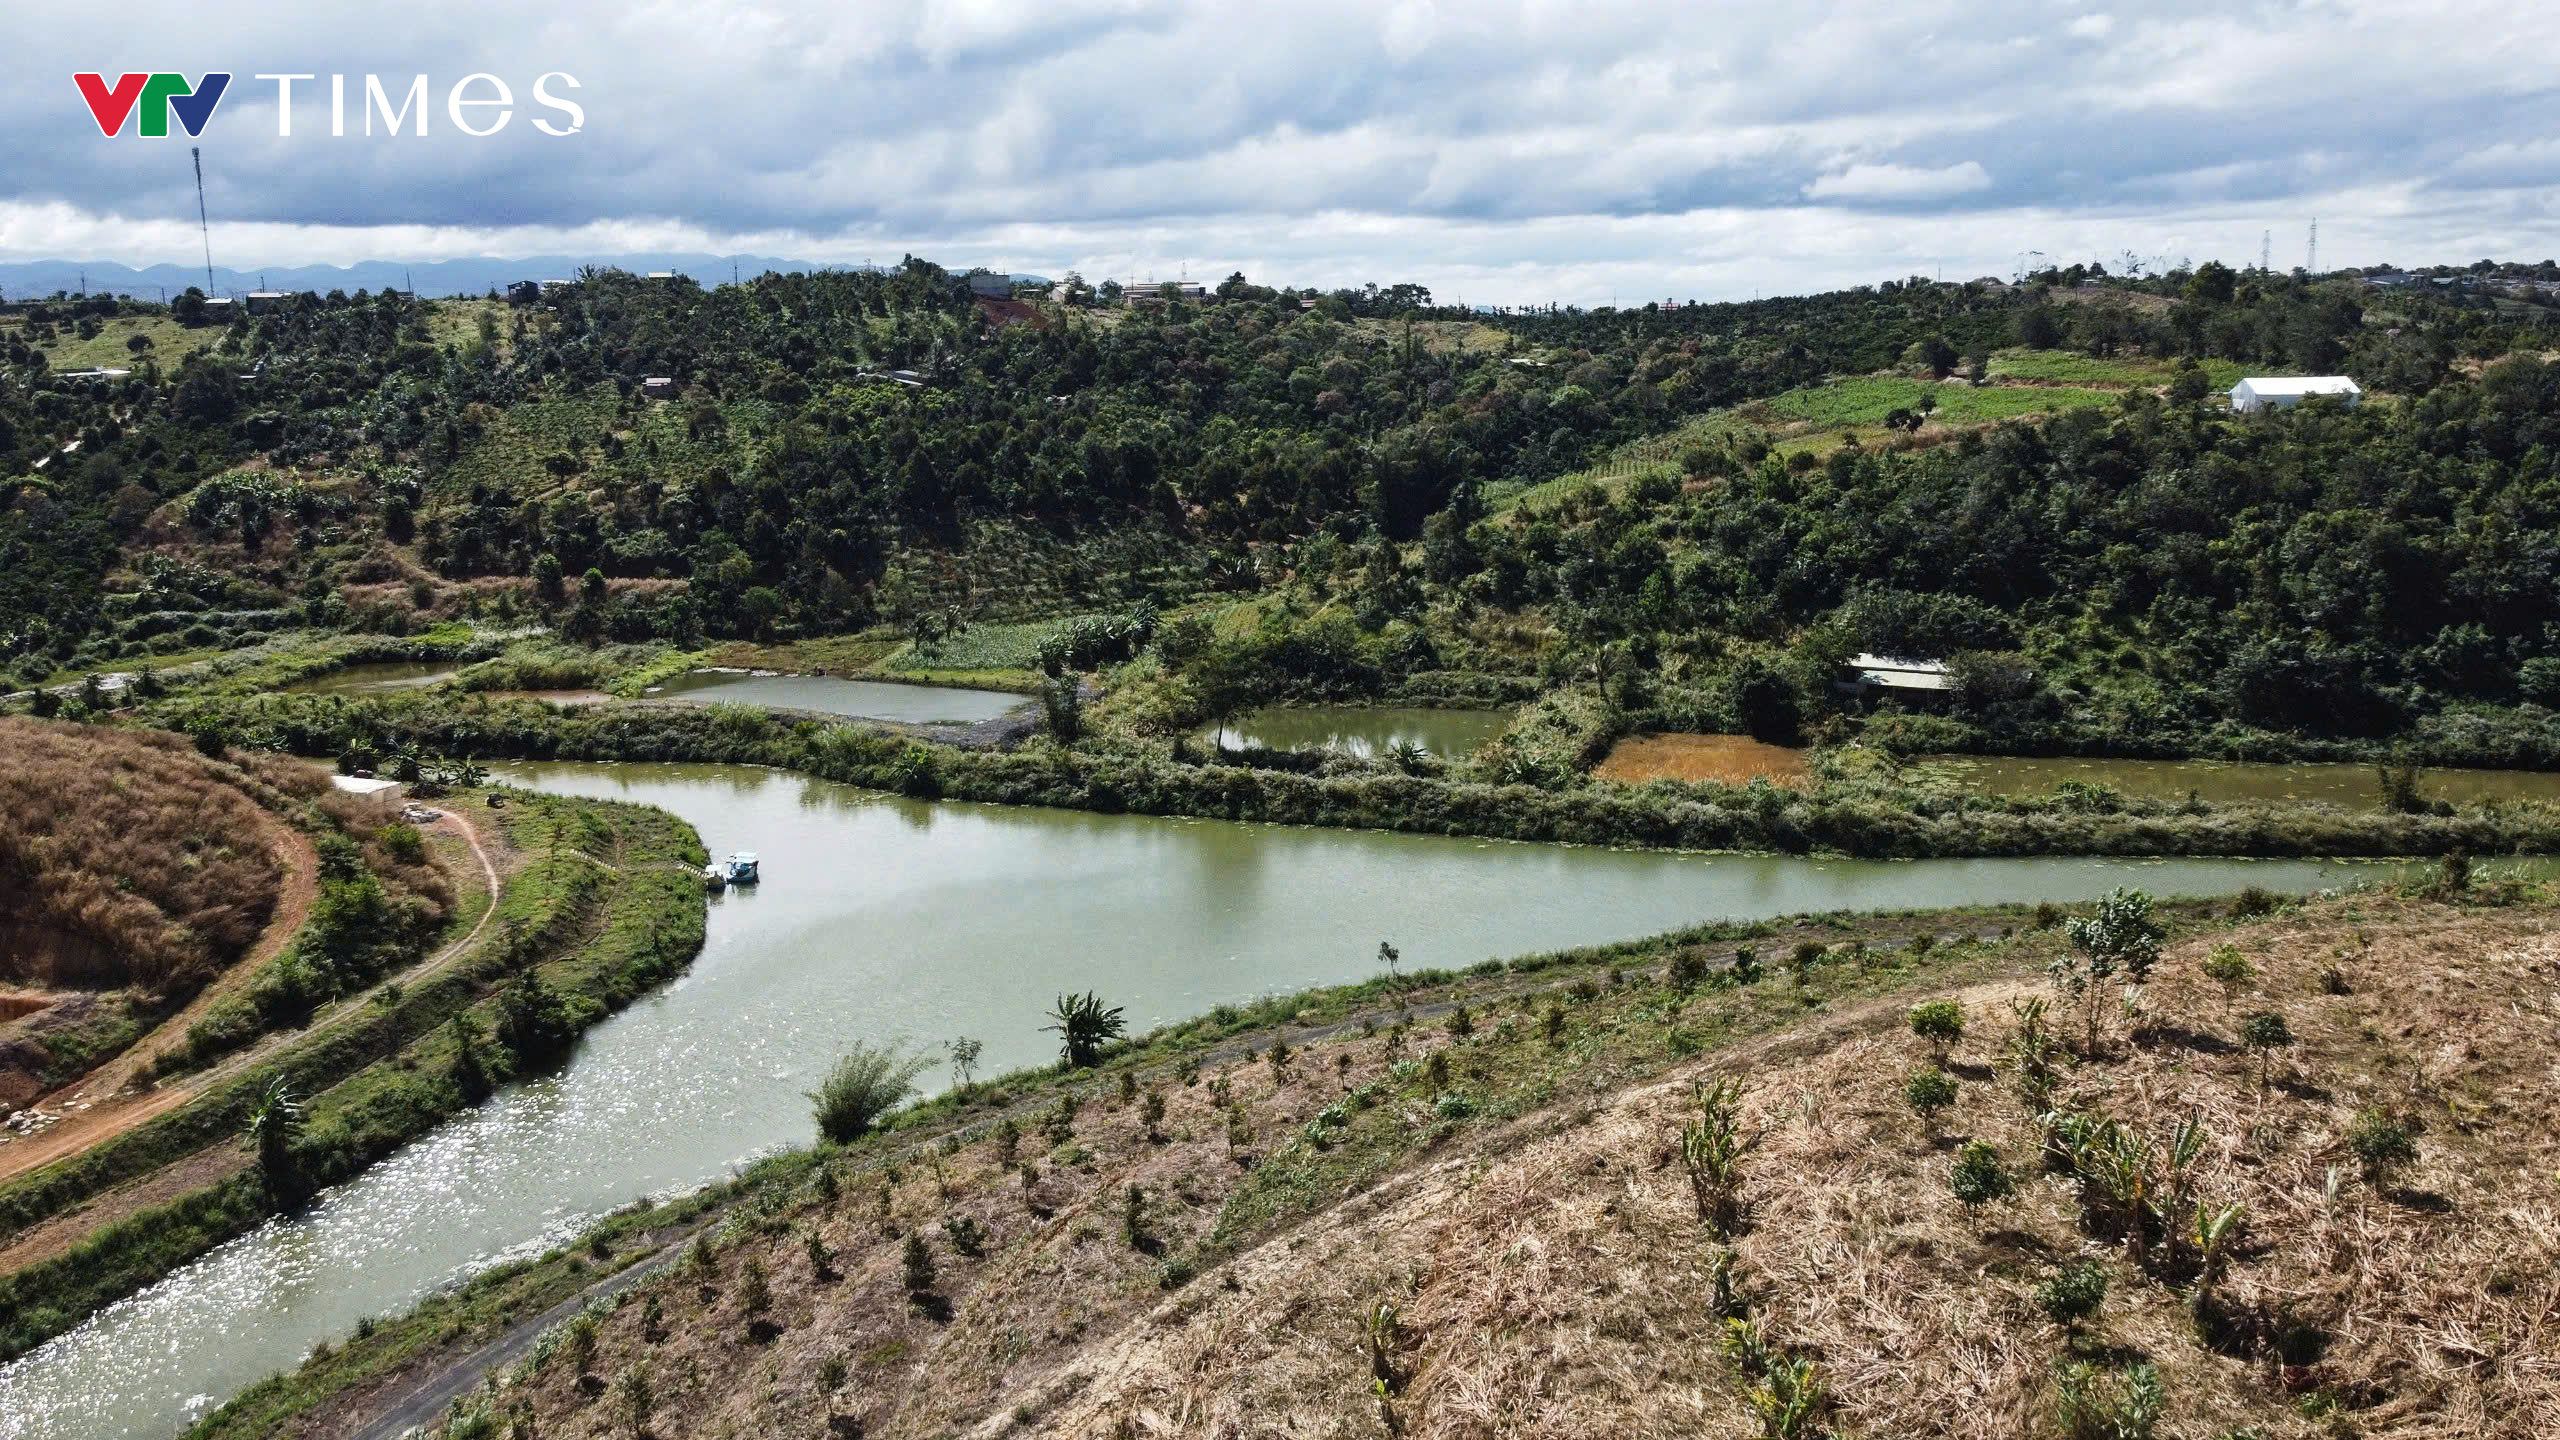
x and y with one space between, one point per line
1867 676
2283 393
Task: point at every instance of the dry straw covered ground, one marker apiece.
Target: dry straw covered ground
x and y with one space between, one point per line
1726 759
1497 1233
128 858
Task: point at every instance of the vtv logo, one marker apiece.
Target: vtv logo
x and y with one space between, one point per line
157 96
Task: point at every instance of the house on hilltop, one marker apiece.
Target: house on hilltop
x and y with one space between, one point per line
2260 392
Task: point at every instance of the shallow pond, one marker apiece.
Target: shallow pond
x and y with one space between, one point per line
1363 730
882 918
2352 786
380 678
858 699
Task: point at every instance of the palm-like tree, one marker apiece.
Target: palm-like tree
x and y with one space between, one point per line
275 1124
1084 1026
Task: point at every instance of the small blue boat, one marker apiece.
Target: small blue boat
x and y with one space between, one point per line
742 868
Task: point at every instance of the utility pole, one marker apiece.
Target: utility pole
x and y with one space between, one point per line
203 224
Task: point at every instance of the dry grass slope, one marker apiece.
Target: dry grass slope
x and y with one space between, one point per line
126 858
1551 1275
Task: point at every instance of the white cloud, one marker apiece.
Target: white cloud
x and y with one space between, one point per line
1408 29
1900 182
1371 137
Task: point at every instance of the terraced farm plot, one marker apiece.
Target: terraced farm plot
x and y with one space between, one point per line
2071 368
1868 399
981 648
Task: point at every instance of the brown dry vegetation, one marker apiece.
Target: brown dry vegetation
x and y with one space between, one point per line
1551 1276
1727 759
127 858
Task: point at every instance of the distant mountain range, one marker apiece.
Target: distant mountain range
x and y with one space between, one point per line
36 279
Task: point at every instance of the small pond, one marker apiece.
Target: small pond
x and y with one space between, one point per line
828 695
1364 730
2351 786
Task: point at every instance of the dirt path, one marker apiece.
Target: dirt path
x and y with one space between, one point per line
119 1113
339 1011
104 1102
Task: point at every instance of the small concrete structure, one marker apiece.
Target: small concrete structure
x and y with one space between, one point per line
262 301
2284 392
1867 676
658 387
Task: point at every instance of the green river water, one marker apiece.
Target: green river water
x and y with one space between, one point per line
882 918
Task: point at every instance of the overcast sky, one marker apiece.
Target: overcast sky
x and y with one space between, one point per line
1497 152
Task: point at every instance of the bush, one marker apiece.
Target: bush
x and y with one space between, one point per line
2265 1032
868 1083
2091 1405
2073 1293
1929 1091
2231 970
1711 1151
2255 901
915 1263
2381 1144
1979 1177
1941 1023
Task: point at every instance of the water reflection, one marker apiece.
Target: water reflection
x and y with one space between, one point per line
1363 730
863 699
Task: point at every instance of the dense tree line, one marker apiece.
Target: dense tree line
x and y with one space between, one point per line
2156 570
823 423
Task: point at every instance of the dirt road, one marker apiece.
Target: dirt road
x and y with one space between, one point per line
103 1102
103 1105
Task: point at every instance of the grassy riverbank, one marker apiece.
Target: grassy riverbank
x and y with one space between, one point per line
603 903
1383 1162
1858 807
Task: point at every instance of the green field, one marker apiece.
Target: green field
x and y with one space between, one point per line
1867 399
110 349
997 656
2071 368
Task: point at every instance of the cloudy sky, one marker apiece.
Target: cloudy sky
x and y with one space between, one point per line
1497 152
